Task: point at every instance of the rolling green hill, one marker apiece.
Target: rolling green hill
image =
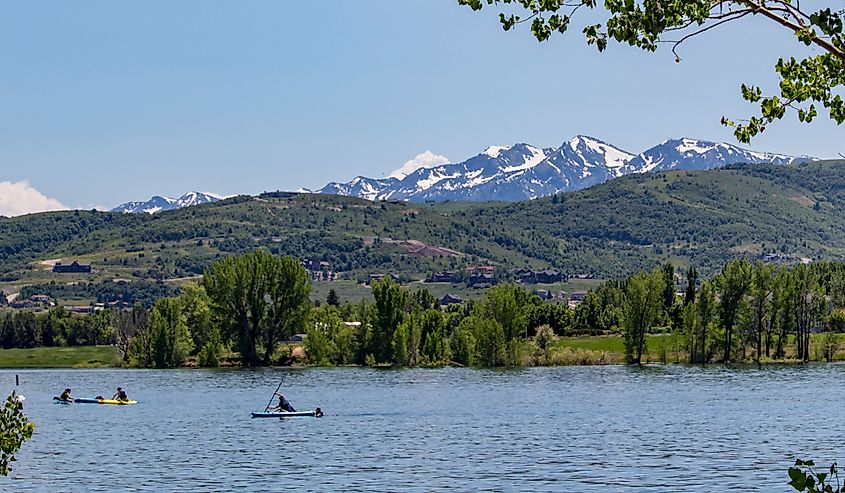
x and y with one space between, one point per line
634 222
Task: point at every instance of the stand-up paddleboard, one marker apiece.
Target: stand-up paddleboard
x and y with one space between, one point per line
56 400
285 414
89 400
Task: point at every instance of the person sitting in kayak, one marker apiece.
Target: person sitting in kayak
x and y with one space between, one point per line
120 395
66 396
284 404
318 413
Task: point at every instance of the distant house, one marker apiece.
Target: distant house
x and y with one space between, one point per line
548 276
528 276
74 268
578 295
278 194
20 304
479 280
298 338
41 300
315 265
442 276
378 277
544 294
81 309
451 299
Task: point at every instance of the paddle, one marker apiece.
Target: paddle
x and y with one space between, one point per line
271 398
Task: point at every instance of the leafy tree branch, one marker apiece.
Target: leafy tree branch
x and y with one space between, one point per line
806 84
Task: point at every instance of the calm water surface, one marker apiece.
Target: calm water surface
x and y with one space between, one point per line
661 429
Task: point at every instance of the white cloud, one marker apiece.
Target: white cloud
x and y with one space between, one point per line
20 198
427 159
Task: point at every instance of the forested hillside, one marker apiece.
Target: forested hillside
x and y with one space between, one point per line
614 229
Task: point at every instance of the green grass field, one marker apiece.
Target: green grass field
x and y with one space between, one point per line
58 357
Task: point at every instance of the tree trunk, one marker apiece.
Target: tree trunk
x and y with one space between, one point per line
768 339
249 355
728 338
759 333
271 343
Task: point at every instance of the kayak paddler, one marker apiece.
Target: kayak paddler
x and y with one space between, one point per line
120 395
284 404
65 397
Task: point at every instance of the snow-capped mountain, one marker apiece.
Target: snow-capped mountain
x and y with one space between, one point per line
158 203
522 171
693 154
367 188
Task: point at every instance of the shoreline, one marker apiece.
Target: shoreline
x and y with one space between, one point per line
105 357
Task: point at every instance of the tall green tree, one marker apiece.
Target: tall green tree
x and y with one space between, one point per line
489 341
705 311
807 84
389 313
462 343
324 323
332 298
259 298
507 304
784 301
289 289
197 311
435 349
643 304
733 284
761 294
166 342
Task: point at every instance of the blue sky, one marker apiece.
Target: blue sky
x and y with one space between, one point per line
103 102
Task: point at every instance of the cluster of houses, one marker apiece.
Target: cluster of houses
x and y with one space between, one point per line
572 299
319 270
44 302
529 276
485 276
33 302
475 277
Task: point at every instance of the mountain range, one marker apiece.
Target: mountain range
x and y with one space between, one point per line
158 203
518 172
522 171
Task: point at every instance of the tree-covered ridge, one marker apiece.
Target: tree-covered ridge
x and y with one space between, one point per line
614 229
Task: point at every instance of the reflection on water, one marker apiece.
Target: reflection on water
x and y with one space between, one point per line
669 429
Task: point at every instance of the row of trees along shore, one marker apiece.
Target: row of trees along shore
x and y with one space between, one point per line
251 304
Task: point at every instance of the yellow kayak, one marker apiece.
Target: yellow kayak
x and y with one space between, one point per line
86 400
113 401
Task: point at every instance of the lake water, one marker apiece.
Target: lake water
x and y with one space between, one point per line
661 429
